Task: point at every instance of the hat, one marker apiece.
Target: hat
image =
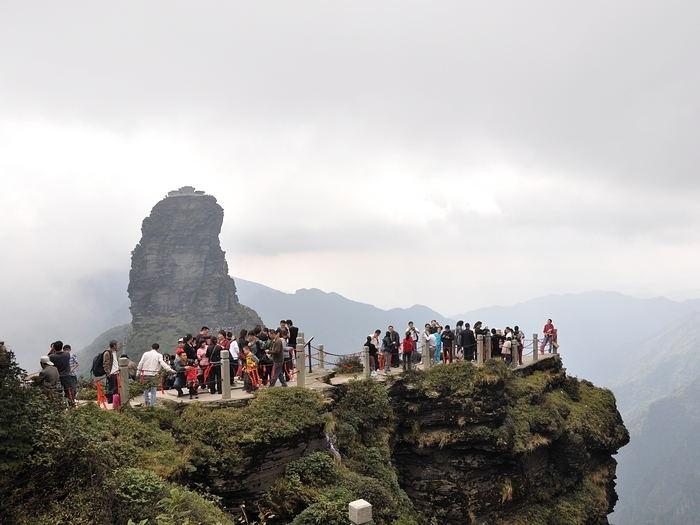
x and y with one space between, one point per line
44 360
179 351
181 340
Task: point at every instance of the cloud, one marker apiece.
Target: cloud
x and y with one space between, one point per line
453 154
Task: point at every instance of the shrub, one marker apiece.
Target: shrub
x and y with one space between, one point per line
348 365
316 469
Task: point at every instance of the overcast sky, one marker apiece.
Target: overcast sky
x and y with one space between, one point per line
453 154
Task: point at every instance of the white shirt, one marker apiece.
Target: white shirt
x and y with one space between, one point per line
151 363
115 363
234 349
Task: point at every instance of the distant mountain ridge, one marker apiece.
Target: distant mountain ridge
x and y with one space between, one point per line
340 324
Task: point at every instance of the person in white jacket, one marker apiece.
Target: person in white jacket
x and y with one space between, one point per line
149 367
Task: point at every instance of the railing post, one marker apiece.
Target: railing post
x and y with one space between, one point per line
535 349
321 357
301 369
359 512
225 375
124 379
365 362
554 338
514 354
479 349
487 343
426 356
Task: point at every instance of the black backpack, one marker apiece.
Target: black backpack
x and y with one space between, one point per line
98 367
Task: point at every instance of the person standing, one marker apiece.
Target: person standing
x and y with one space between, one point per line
548 331
386 348
425 342
73 365
432 345
149 367
459 354
468 343
372 349
61 360
276 352
214 353
395 342
408 346
111 366
293 333
448 338
374 339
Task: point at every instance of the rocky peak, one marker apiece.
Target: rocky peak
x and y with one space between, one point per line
178 269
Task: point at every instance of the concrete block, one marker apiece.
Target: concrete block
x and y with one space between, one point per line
360 511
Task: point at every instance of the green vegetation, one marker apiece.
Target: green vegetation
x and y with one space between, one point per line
349 365
154 466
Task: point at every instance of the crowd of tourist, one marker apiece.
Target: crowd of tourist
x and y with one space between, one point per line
443 345
262 356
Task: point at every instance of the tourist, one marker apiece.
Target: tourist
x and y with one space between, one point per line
438 345
293 333
430 343
61 360
131 368
203 361
149 367
191 374
111 366
395 342
182 366
408 345
73 365
447 337
276 353
548 331
468 343
373 364
251 380
214 380
188 348
48 378
379 356
459 353
203 335
425 339
387 345
519 337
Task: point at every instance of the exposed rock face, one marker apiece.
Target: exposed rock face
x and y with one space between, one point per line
179 271
510 451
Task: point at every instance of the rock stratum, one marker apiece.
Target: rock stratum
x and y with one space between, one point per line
178 268
458 444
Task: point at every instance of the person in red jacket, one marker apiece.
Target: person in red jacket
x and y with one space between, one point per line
408 346
548 331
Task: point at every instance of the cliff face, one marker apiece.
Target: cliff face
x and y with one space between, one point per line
489 446
459 444
179 277
179 269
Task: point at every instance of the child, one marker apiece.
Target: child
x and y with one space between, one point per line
191 372
251 379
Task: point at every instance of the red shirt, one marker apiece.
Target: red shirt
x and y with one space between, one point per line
548 330
407 345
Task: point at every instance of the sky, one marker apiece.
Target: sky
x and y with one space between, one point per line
452 154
